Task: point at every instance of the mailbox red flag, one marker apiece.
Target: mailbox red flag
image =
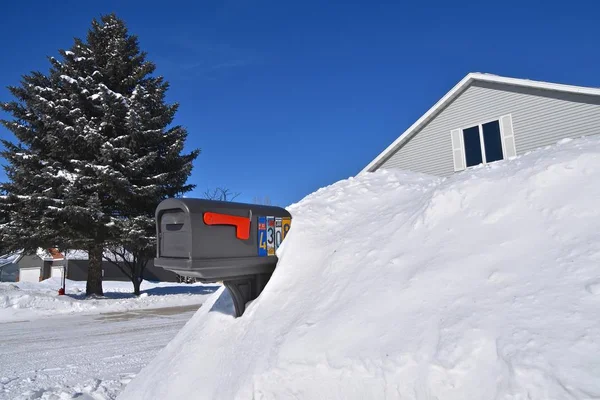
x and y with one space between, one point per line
242 224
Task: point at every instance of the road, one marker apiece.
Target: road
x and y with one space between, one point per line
83 356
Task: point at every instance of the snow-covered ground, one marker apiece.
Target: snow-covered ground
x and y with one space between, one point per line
84 357
61 347
26 300
393 285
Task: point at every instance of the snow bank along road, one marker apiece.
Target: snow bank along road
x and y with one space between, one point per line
82 356
26 300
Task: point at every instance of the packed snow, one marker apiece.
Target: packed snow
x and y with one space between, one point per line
85 357
28 300
483 285
63 347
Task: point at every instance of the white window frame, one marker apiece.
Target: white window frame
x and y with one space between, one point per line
481 143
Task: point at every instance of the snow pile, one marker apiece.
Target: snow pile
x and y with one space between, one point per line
93 389
26 300
484 285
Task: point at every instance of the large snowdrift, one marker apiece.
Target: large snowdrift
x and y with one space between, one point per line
484 285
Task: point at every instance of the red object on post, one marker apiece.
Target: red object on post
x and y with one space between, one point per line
242 224
61 291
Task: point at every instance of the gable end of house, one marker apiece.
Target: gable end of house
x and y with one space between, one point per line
486 118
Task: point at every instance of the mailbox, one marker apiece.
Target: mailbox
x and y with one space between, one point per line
221 241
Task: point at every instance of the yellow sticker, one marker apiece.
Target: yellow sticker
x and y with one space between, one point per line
287 224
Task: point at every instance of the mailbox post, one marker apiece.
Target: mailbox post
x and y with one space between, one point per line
221 241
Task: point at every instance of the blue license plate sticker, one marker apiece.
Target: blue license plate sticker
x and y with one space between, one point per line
262 236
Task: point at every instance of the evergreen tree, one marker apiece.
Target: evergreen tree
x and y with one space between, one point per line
95 151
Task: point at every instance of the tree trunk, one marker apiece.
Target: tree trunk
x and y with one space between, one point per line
138 273
94 277
137 282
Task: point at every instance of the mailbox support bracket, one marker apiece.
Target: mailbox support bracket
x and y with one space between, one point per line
246 289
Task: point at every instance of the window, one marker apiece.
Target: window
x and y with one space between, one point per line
483 143
492 141
472 146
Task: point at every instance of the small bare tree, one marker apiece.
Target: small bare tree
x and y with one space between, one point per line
221 194
134 249
131 262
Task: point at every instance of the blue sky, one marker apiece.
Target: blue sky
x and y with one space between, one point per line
286 97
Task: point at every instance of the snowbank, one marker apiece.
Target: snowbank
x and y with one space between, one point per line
90 389
26 300
484 285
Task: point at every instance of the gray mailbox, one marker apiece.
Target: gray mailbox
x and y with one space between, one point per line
221 241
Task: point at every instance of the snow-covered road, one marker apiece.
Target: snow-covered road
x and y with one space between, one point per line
83 356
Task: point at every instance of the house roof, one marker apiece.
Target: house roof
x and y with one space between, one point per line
107 255
56 255
9 259
456 91
45 254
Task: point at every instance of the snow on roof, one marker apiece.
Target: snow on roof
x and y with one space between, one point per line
457 90
44 254
56 255
107 255
10 258
76 255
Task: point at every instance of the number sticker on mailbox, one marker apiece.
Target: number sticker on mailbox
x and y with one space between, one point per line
287 223
262 236
278 233
271 236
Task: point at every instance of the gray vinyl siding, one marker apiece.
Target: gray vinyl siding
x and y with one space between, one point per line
31 261
540 118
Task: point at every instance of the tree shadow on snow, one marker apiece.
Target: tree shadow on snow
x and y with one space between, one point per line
162 291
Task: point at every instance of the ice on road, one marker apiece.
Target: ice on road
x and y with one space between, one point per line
83 356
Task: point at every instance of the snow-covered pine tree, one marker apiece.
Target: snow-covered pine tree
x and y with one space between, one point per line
95 149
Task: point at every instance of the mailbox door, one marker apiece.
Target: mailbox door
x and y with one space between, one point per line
175 234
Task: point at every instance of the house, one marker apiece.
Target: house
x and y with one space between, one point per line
33 267
487 118
77 265
47 263
9 270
